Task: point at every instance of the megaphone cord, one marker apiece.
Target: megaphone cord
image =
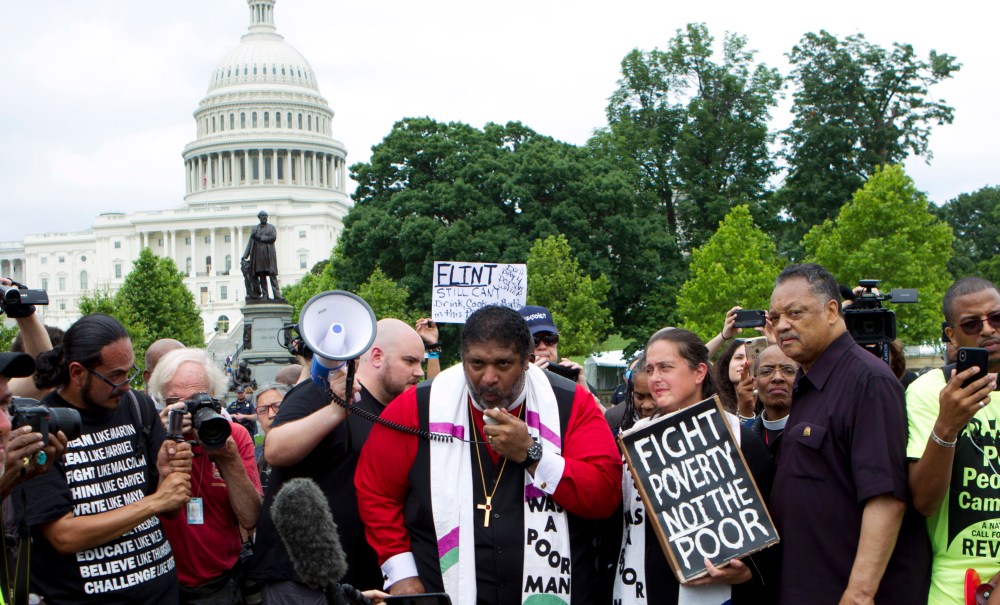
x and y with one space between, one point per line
395 426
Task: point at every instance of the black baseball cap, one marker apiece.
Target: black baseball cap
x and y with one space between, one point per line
16 365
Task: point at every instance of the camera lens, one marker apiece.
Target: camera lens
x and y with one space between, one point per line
66 420
213 429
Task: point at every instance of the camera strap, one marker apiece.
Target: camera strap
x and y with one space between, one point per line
18 593
146 430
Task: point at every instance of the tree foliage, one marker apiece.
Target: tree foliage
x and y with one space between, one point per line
736 266
578 303
888 232
856 106
386 297
435 191
7 335
152 303
975 220
694 128
319 279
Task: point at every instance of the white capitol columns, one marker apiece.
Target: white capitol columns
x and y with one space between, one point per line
299 167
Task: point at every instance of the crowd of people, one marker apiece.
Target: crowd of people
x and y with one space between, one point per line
500 479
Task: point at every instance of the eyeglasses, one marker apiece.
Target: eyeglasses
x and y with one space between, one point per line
262 409
547 337
768 371
972 326
132 375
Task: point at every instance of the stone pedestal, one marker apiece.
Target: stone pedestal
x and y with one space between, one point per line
261 324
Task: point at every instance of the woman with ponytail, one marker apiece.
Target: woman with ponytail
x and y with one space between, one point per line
679 376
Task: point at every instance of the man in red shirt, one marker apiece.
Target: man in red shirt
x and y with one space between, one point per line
225 486
506 509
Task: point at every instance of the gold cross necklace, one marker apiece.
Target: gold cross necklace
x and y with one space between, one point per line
487 507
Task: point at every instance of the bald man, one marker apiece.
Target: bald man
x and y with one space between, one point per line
309 439
291 374
158 349
393 363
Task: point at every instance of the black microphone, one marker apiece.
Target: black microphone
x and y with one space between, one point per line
302 517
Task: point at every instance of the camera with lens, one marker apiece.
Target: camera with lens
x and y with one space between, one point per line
206 418
870 324
17 301
290 340
43 419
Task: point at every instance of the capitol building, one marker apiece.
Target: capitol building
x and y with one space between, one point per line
264 142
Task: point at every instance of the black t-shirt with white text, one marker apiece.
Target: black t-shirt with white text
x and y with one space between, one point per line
111 465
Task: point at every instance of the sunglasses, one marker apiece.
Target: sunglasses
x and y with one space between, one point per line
548 338
132 375
973 326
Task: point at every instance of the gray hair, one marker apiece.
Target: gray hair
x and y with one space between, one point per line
821 282
271 386
171 362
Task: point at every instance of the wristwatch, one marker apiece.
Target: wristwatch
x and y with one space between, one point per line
534 454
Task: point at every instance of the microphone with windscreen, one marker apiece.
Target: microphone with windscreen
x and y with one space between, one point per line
302 517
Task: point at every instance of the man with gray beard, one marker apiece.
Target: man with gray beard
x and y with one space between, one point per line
531 465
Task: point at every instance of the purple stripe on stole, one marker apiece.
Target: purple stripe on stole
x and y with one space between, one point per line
448 542
447 428
531 492
535 421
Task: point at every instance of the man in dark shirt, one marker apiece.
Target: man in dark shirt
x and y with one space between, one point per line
310 437
95 534
840 490
242 410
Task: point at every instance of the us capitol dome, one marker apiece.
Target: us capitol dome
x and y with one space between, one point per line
264 141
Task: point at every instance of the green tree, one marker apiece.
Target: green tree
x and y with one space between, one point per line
975 220
103 301
100 301
695 128
856 106
319 279
386 297
435 191
7 335
736 266
888 232
578 303
152 303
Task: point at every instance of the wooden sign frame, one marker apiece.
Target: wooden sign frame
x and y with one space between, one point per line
655 512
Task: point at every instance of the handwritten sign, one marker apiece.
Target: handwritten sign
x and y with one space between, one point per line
461 288
697 490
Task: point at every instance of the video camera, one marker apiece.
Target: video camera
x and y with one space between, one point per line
872 326
206 418
18 301
43 419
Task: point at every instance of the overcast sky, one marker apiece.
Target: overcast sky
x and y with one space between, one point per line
99 95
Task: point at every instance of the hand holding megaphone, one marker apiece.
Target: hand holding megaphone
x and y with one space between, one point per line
338 381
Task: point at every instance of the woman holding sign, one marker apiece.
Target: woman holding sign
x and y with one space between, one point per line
679 377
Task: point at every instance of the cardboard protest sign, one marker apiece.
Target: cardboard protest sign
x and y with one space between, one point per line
697 490
461 288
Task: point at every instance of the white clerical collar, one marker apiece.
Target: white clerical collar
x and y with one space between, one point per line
774 425
517 401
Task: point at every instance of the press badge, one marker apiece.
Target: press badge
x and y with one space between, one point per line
195 512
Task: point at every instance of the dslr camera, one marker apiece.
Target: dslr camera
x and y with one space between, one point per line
206 418
17 301
43 419
870 324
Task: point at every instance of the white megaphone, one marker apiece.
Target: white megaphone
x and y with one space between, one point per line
337 326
